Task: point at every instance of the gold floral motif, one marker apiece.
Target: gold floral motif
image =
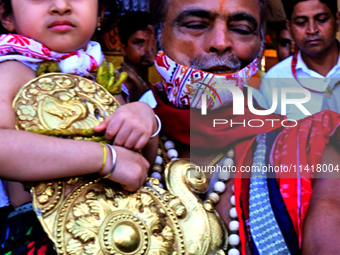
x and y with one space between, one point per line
33 91
103 97
65 82
87 86
26 112
44 197
49 195
46 84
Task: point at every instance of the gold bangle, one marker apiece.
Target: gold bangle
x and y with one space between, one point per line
104 157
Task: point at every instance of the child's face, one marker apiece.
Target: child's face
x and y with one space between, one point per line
61 25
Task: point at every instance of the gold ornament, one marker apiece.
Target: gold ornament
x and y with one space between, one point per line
62 105
90 215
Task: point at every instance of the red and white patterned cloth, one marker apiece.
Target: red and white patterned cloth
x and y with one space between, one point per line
185 85
301 149
32 53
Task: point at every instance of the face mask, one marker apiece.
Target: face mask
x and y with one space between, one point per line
184 86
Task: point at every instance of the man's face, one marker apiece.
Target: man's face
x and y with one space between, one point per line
140 49
285 46
218 36
313 27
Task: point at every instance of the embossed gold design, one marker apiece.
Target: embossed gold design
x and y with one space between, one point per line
87 215
98 217
62 102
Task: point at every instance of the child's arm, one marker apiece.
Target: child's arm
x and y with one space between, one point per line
26 156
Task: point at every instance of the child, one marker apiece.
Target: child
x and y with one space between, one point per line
52 29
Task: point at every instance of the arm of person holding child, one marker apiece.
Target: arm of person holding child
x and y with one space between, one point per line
29 157
321 225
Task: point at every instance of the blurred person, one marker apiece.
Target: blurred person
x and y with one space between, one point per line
138 46
285 44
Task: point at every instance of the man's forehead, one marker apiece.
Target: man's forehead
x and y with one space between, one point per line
310 7
216 7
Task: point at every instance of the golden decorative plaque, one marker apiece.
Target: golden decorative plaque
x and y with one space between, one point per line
89 215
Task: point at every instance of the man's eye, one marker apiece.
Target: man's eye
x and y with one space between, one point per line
322 19
300 22
196 25
284 44
243 30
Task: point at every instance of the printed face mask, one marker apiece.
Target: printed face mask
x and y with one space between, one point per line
184 85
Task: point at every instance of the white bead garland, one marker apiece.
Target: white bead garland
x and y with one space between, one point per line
157 168
233 213
234 239
215 198
219 187
169 145
234 225
158 160
233 251
172 153
156 175
230 154
232 200
228 162
224 176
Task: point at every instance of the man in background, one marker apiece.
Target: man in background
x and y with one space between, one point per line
313 25
138 46
285 43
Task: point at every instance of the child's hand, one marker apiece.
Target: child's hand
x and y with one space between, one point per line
131 169
131 125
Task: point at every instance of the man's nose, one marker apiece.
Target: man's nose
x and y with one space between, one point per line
60 7
312 27
217 40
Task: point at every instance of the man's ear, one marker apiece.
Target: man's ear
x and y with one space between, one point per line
101 11
6 21
152 39
288 26
123 49
337 21
151 29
